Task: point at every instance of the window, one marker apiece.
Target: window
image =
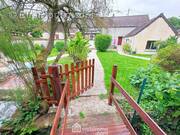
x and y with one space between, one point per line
150 45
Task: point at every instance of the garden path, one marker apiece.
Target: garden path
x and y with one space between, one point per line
94 100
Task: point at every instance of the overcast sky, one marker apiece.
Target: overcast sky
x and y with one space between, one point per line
150 7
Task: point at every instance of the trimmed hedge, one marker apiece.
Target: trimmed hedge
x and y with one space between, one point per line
102 42
59 45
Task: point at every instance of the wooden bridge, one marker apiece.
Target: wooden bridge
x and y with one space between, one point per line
76 81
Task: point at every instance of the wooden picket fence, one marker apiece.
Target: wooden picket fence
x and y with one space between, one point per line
49 85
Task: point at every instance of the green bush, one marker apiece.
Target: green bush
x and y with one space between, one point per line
36 33
18 51
78 47
168 58
38 47
161 96
171 41
102 42
127 48
59 45
23 123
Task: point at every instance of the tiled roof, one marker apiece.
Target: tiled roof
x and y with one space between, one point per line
142 27
178 31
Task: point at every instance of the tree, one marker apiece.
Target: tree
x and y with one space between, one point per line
67 12
175 22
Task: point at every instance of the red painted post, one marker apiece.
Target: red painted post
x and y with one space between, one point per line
45 85
89 74
86 74
61 72
67 76
114 73
55 82
93 66
78 79
37 84
82 76
73 81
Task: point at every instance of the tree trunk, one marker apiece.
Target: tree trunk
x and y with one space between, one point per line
42 57
65 46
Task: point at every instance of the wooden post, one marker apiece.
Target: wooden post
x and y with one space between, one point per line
73 81
86 74
93 65
89 74
67 76
82 76
55 82
78 79
61 72
114 73
37 84
45 84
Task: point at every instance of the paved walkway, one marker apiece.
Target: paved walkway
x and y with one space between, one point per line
89 102
99 86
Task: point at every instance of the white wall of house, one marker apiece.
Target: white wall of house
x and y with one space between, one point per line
179 39
158 30
43 41
117 32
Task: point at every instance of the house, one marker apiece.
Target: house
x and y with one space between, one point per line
178 31
138 31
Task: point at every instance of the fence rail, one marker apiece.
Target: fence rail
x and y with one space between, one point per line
63 103
144 116
49 85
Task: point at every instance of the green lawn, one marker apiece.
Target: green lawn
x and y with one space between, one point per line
126 66
143 55
64 60
54 52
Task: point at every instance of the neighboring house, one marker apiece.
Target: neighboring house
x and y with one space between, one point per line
178 35
138 31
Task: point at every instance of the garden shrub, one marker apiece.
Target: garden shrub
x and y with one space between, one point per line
18 51
168 58
171 41
38 47
36 33
54 52
127 48
59 45
102 42
23 123
78 47
161 96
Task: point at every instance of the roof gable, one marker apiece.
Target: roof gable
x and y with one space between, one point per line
178 31
140 28
125 21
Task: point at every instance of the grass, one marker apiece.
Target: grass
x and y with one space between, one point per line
64 60
143 55
81 115
54 52
126 67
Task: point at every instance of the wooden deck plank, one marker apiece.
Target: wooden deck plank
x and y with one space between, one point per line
103 124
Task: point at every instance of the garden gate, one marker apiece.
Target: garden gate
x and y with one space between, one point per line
49 85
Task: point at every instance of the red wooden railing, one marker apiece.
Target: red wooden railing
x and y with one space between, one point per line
144 116
63 103
49 84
